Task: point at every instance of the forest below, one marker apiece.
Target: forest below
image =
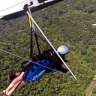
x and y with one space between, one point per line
68 22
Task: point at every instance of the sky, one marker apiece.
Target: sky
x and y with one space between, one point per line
12 6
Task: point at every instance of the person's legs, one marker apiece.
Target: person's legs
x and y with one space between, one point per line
10 89
10 92
14 82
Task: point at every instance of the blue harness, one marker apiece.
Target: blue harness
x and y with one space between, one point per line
38 71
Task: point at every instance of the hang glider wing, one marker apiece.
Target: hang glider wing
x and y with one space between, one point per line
10 9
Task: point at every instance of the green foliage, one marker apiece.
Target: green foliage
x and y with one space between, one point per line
68 22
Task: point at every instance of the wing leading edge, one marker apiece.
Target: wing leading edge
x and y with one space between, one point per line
35 6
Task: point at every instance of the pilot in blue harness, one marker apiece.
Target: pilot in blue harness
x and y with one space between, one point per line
35 70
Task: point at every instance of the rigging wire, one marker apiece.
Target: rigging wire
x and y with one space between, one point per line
25 59
12 54
43 66
5 43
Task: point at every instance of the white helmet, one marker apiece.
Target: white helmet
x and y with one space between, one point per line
63 49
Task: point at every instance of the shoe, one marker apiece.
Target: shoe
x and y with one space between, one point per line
3 93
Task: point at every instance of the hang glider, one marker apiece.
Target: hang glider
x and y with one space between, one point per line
17 8
10 9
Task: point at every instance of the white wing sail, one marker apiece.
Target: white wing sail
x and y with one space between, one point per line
10 9
11 6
